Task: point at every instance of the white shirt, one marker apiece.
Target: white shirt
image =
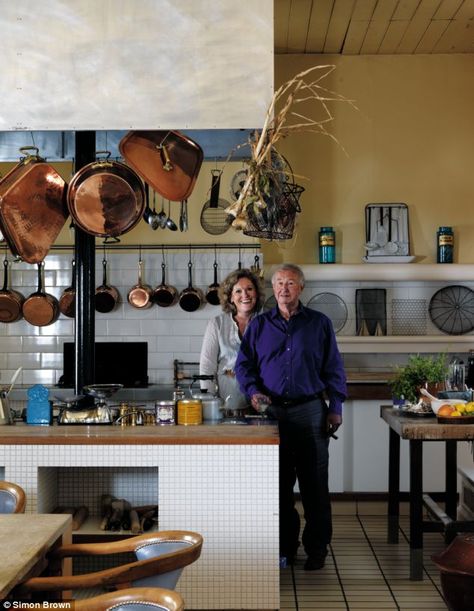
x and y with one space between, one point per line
220 346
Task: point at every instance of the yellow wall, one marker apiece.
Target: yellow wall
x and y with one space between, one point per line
412 141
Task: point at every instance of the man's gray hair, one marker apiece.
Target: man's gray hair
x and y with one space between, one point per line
289 267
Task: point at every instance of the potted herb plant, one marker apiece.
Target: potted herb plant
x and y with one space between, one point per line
427 371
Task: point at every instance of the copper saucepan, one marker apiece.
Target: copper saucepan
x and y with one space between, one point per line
10 301
140 295
106 198
40 308
191 298
106 296
67 301
164 295
212 294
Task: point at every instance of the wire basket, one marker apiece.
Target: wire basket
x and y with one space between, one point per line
277 220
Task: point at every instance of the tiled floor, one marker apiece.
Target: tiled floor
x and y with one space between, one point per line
363 571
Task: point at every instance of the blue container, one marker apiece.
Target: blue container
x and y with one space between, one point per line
38 408
327 245
445 249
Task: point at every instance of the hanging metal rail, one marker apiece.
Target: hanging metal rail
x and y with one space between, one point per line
113 246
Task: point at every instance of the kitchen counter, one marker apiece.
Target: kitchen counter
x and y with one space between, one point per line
78 434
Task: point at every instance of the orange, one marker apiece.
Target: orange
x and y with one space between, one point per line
445 410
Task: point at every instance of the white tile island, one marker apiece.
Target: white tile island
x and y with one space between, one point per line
220 481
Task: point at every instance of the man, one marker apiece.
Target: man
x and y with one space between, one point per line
288 358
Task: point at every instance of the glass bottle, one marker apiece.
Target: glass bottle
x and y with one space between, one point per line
327 245
445 245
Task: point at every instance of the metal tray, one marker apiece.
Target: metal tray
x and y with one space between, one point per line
409 414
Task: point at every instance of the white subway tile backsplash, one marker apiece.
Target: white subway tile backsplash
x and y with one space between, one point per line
43 344
123 327
39 376
30 360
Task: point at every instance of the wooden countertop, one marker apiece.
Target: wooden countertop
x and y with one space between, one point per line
23 553
204 434
426 429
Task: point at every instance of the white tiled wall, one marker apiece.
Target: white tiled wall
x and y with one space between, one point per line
172 333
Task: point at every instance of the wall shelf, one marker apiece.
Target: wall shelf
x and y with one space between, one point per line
405 343
405 272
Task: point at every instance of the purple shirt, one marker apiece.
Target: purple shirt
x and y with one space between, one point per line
291 358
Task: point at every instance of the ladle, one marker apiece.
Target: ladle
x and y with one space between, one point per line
169 221
162 215
154 217
390 247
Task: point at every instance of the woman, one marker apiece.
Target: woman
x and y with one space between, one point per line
241 298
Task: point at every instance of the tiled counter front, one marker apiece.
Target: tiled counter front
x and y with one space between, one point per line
228 493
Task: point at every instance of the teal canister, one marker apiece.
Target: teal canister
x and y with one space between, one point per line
327 245
445 241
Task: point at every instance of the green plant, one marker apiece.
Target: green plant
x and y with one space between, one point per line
418 371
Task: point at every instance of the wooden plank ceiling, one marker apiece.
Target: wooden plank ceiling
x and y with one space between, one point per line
374 27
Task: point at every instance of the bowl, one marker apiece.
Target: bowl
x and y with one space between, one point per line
436 404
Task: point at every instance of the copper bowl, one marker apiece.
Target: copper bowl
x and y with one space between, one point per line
456 566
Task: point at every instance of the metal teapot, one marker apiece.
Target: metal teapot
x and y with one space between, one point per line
211 403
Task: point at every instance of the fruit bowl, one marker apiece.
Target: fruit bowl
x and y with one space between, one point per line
436 404
455 419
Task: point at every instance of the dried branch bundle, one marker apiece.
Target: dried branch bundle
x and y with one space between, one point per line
267 173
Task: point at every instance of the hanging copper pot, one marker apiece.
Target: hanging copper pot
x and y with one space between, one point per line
106 296
40 308
106 198
32 207
67 301
164 295
10 301
140 295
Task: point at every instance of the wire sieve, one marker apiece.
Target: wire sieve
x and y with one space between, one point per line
332 306
452 309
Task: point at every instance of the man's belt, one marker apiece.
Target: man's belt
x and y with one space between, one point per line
282 402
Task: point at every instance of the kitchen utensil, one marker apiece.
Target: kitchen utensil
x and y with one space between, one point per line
409 316
390 247
369 244
14 379
162 214
371 308
451 309
106 296
106 198
67 301
155 218
148 211
381 234
214 218
164 295
170 224
332 306
191 298
140 295
11 301
212 294
236 184
40 308
32 206
5 412
168 160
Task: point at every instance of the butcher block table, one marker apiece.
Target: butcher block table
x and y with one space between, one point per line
24 542
417 431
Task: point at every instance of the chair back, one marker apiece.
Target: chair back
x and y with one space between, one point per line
182 546
133 599
12 498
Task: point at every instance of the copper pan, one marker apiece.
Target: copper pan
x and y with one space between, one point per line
106 198
67 301
164 295
168 160
140 295
190 298
10 301
40 308
106 296
32 207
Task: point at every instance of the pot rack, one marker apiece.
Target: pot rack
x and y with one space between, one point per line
143 247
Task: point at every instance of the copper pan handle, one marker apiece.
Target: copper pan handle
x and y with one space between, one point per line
167 165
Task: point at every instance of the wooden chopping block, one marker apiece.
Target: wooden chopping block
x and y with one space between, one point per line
80 516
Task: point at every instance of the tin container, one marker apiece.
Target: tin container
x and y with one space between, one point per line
165 412
189 411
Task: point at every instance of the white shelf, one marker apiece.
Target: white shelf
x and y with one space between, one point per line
388 272
405 343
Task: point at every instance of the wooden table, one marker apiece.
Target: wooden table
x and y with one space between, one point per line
416 431
24 541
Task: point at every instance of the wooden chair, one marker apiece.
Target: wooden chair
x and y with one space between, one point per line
12 498
133 599
161 557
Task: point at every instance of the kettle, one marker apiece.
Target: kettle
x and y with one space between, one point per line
211 403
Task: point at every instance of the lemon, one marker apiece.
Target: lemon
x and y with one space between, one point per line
469 408
455 413
460 407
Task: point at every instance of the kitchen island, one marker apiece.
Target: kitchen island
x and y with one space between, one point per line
218 480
